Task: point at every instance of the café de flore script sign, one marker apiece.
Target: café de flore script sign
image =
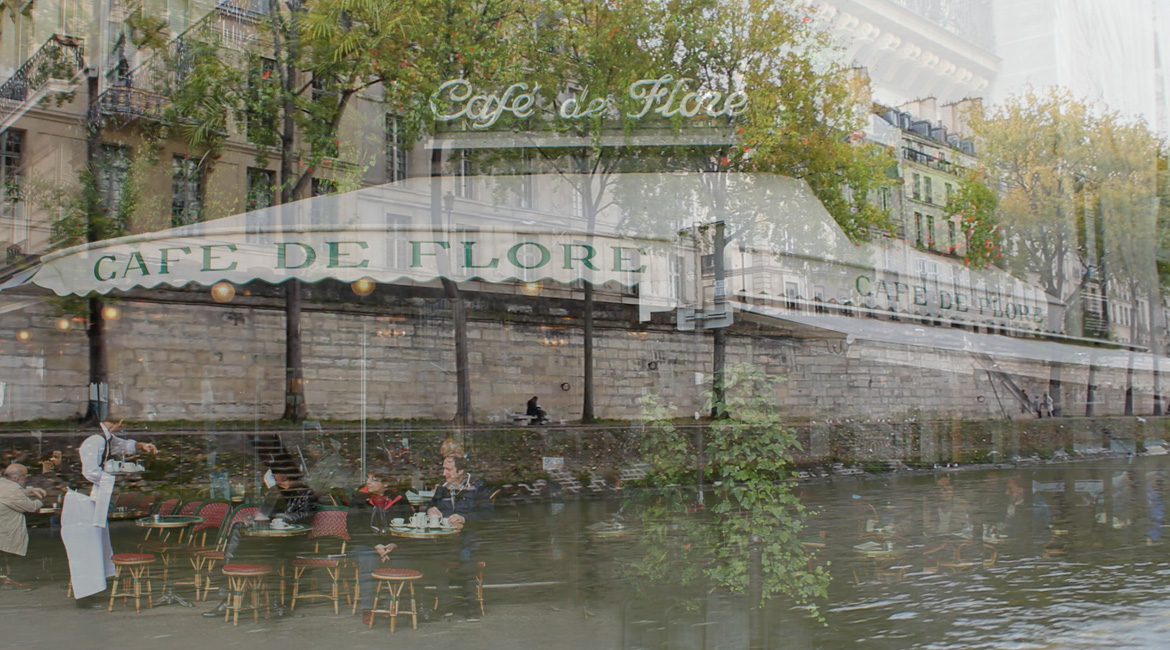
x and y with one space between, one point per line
665 96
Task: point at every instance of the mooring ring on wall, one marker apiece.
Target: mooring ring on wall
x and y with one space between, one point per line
980 399
565 385
653 365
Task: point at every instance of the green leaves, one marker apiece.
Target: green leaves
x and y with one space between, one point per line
749 461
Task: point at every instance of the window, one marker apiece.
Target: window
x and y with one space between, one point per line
260 124
261 188
11 154
918 229
916 186
11 159
395 150
320 187
951 236
927 189
523 186
186 190
930 231
884 198
398 247
113 171
464 171
949 190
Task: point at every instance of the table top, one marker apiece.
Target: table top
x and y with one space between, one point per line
169 521
292 530
421 533
125 514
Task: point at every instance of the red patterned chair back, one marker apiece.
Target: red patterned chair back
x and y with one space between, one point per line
168 506
213 513
189 508
330 522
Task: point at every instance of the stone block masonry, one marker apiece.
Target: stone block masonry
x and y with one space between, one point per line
182 359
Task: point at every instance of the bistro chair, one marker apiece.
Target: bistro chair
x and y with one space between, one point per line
328 523
165 507
131 575
479 567
204 560
395 580
242 578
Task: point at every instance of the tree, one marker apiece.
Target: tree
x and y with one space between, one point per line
287 92
1036 152
1125 172
598 47
1078 202
802 120
751 455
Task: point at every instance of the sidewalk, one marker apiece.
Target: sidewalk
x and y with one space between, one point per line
43 618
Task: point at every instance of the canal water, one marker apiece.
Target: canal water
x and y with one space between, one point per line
1067 555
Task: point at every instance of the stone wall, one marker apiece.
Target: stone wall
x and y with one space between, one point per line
184 357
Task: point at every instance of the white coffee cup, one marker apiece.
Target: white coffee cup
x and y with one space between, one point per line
279 524
433 520
397 521
418 520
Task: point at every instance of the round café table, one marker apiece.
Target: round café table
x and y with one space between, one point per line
168 522
290 531
122 515
429 532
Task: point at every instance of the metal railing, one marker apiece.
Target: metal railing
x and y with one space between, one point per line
144 91
61 58
927 160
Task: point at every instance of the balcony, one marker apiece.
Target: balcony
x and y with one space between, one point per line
144 91
926 160
53 67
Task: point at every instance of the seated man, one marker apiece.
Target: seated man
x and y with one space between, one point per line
538 415
369 518
289 499
465 502
15 501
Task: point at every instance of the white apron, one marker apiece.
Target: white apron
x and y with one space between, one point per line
87 539
83 518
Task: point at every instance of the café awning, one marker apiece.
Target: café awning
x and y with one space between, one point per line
389 233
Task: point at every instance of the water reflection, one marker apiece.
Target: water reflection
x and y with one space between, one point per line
1059 555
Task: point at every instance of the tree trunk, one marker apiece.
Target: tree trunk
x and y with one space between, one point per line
451 291
587 414
1090 390
719 342
295 408
99 373
99 367
1054 390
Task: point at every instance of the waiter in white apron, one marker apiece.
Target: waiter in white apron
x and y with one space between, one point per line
83 517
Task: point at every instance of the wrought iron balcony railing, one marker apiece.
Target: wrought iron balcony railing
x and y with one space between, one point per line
144 91
61 58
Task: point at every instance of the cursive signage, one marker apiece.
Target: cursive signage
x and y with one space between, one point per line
665 96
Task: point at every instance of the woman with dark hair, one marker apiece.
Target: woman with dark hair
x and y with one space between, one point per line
369 518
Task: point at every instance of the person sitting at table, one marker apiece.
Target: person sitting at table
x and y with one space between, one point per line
369 519
15 501
288 499
536 412
465 502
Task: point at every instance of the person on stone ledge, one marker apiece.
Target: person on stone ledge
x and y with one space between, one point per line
535 412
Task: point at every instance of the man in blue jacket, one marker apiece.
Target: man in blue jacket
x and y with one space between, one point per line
465 502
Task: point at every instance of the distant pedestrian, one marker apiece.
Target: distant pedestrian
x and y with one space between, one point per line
1025 401
1048 404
